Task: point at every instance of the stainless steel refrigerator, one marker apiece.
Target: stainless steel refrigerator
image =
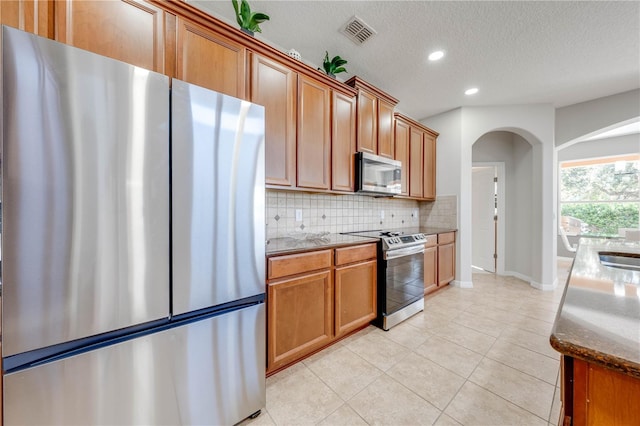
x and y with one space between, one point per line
132 244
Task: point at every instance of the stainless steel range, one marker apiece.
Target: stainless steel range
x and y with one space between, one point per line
400 274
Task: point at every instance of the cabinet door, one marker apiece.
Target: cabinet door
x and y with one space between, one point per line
274 86
355 296
299 318
402 153
429 167
385 129
210 60
343 142
415 163
314 134
446 263
32 16
367 122
430 269
128 30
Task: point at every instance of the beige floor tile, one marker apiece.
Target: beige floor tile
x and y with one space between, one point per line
300 398
432 382
378 350
345 372
449 355
445 420
543 328
525 391
387 402
264 419
491 312
554 417
344 416
547 314
479 323
464 336
531 341
428 321
355 336
437 309
408 335
525 360
474 405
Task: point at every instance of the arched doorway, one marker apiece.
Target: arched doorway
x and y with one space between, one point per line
513 231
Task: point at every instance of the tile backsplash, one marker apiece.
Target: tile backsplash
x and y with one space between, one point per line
344 213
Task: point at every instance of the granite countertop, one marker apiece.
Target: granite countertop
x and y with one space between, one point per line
599 316
428 230
312 241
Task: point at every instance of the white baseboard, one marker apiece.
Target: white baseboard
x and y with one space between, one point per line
462 284
518 275
544 287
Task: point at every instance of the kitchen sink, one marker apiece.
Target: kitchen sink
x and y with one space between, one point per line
630 261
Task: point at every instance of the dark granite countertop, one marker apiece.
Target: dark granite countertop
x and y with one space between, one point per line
312 241
428 230
599 316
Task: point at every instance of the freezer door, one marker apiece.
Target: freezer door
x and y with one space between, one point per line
85 188
217 163
210 372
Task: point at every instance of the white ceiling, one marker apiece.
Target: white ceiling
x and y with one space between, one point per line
515 52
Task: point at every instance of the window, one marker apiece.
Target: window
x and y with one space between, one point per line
600 196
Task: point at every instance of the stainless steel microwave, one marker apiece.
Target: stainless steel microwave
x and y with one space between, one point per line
377 175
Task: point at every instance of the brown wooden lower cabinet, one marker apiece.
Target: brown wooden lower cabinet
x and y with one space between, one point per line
300 317
446 258
439 261
595 395
315 298
355 296
431 264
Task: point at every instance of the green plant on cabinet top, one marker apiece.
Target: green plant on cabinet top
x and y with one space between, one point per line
333 66
248 21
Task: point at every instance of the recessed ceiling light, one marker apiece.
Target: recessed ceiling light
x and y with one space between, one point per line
471 91
436 56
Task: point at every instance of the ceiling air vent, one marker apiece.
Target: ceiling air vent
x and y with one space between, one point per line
358 31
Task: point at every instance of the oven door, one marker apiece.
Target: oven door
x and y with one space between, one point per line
404 278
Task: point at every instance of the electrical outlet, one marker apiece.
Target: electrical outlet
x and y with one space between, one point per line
381 214
298 215
415 213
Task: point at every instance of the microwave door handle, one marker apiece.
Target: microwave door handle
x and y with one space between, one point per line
394 254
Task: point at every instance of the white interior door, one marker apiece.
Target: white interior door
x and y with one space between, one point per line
483 212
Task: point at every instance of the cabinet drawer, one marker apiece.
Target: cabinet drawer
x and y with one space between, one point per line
355 254
431 240
447 237
282 266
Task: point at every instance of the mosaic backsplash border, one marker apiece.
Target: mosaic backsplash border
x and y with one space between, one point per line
345 213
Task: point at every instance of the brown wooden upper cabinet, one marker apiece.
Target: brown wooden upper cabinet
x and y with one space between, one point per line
209 59
274 86
416 148
343 141
402 153
374 119
429 166
32 16
310 126
128 30
314 134
415 163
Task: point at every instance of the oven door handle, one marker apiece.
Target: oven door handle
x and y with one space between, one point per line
408 251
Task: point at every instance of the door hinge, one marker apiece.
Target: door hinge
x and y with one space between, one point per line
495 218
495 179
495 255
